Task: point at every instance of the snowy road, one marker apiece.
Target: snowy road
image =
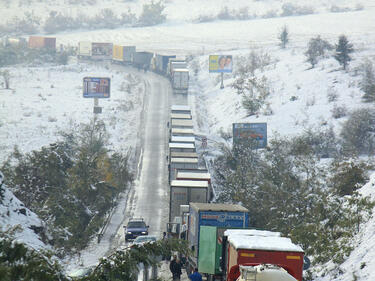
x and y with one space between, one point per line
149 199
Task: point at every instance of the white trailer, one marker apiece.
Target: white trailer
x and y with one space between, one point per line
180 116
182 123
182 132
181 147
84 49
180 80
185 192
182 109
183 139
181 163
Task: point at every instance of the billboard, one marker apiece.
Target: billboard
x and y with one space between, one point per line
220 63
96 87
254 131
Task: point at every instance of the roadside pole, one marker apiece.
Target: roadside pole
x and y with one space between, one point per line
222 81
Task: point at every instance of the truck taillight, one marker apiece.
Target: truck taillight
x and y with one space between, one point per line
248 255
293 257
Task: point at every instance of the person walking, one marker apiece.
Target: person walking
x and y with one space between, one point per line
175 267
196 276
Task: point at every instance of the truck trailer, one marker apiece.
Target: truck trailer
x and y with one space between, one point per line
185 192
180 80
209 214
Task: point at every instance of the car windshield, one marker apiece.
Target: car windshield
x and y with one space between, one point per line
136 224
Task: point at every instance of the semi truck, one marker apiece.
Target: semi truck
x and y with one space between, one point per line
160 63
254 249
237 254
176 164
123 54
185 192
211 214
95 50
39 42
180 80
142 59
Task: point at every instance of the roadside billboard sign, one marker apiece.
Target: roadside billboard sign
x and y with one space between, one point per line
96 87
254 131
220 63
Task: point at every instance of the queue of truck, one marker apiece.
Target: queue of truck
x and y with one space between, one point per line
222 245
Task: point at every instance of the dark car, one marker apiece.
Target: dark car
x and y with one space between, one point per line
135 228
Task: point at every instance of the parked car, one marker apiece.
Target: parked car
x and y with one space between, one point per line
140 240
136 227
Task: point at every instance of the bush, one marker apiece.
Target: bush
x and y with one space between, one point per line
289 9
152 14
316 49
347 176
57 22
246 66
339 111
358 132
254 93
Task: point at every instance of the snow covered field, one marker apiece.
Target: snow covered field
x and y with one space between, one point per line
45 100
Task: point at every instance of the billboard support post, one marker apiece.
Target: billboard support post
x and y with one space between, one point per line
96 104
222 81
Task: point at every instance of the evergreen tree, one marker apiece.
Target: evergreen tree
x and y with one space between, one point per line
284 37
368 82
343 49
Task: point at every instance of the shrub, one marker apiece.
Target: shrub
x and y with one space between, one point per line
246 66
254 93
347 176
358 132
289 9
332 94
316 49
339 111
152 14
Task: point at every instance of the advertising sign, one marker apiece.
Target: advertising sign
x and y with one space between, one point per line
255 131
220 63
96 87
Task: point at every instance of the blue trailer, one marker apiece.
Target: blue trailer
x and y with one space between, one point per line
161 63
209 214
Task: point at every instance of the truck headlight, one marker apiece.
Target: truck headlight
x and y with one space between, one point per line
129 232
144 232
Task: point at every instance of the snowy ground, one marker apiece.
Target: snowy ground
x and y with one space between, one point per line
33 112
45 100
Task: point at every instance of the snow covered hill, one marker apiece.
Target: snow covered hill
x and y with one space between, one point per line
20 221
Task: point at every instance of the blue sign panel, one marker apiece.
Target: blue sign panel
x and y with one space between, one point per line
254 131
228 219
96 87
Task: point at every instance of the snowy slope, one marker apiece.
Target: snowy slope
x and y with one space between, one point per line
14 215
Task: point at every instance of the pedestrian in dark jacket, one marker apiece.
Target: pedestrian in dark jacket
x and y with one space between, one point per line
175 267
196 276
